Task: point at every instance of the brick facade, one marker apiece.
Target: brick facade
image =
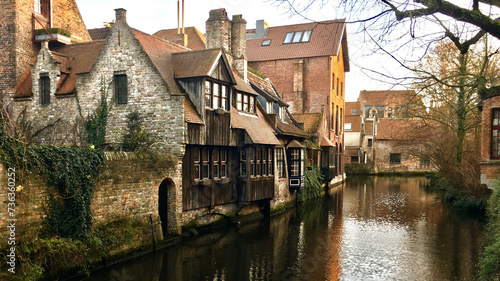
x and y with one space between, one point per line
490 168
18 50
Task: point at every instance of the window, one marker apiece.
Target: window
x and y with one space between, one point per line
354 159
341 120
341 89
280 162
243 162
266 42
197 164
333 81
337 120
354 112
295 162
270 159
121 91
347 126
206 160
205 173
338 86
245 102
216 95
425 159
42 7
370 142
251 155
495 134
44 88
297 37
269 107
282 114
395 158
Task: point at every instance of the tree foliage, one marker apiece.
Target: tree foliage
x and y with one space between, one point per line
136 137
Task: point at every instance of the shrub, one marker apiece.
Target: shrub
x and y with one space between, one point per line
489 262
312 185
136 138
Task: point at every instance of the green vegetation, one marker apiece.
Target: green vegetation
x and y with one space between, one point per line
47 258
312 186
457 197
96 123
489 263
136 139
53 30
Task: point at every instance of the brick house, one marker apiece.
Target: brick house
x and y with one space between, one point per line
352 133
197 105
306 63
392 139
21 21
490 145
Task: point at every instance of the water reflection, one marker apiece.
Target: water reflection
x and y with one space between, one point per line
372 228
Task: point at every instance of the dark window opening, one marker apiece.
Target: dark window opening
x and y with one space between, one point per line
495 134
395 158
44 88
121 88
280 162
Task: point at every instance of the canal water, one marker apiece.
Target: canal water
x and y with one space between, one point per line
372 228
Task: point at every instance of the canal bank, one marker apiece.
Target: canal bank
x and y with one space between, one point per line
372 228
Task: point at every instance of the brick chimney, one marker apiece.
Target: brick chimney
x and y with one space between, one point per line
239 45
121 15
219 30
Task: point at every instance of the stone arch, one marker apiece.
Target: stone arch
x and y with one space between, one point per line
166 209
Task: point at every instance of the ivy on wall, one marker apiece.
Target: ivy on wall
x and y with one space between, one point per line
96 123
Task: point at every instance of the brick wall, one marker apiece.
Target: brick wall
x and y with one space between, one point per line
17 50
118 192
410 156
490 169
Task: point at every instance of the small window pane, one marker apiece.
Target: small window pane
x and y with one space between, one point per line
208 94
239 104
288 38
266 42
395 158
252 105
245 103
306 36
354 111
297 36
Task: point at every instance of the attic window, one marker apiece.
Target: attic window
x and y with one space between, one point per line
44 88
216 95
297 37
266 42
245 103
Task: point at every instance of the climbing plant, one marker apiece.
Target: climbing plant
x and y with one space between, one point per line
96 122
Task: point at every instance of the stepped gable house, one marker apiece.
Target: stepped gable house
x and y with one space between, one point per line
306 63
198 105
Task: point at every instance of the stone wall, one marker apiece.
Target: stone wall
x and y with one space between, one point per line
119 192
410 156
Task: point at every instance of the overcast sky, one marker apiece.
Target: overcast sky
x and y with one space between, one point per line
153 15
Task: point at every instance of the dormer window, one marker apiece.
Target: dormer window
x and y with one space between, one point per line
269 107
298 37
44 88
216 95
282 114
245 102
42 7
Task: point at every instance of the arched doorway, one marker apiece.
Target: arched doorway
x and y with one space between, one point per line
165 188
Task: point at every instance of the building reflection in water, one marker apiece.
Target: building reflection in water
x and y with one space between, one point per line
370 228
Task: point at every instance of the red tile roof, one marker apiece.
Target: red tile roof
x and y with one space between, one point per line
256 127
196 40
190 113
402 129
326 39
160 52
311 121
74 59
195 63
386 97
99 33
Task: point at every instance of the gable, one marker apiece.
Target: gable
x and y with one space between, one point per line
220 72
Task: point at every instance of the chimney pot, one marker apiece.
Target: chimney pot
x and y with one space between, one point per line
121 15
